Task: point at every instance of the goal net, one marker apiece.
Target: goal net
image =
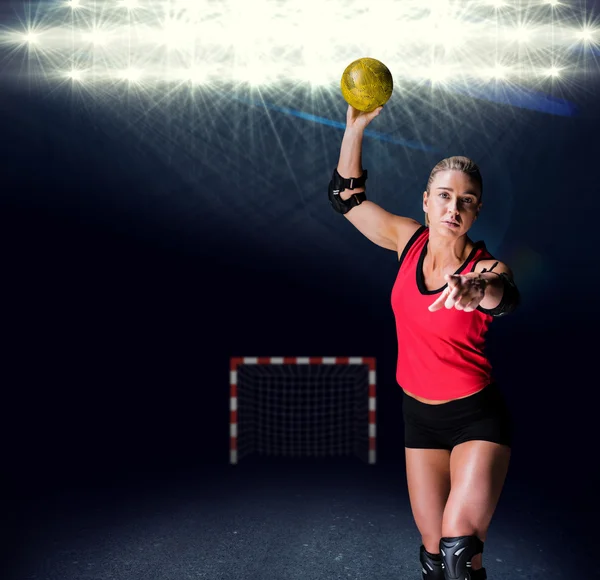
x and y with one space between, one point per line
302 407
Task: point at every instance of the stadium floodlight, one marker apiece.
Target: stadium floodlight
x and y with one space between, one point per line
262 43
302 407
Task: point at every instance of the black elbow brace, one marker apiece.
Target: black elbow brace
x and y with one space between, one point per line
339 184
511 297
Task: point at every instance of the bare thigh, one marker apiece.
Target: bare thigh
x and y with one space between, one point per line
478 472
428 477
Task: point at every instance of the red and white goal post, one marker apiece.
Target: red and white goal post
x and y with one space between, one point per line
302 407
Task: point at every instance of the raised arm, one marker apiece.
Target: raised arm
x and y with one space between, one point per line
383 228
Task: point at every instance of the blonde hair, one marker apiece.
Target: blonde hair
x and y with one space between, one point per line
456 163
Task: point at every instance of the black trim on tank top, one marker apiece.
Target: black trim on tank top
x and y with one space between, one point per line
488 256
409 244
421 278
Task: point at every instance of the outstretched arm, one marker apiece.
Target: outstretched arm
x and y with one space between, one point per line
490 287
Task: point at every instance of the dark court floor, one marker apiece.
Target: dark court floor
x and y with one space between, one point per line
271 520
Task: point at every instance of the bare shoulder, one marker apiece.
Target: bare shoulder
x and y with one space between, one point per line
498 267
405 229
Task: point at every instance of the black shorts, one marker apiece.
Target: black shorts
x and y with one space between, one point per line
483 416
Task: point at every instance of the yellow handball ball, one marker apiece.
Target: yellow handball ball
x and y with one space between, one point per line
367 84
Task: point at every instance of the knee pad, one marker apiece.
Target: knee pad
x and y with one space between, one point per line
433 569
456 557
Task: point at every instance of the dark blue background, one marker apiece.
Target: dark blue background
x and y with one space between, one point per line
130 277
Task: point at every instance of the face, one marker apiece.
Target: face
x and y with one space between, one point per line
453 202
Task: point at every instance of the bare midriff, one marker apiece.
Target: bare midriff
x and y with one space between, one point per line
433 402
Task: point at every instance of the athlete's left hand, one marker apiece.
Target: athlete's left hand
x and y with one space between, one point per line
464 292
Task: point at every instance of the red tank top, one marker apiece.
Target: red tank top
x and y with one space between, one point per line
440 354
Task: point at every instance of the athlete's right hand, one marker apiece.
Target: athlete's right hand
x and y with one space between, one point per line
356 119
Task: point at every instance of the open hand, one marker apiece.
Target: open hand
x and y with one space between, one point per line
464 292
356 119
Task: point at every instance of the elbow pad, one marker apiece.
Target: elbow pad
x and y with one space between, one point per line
339 184
511 298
